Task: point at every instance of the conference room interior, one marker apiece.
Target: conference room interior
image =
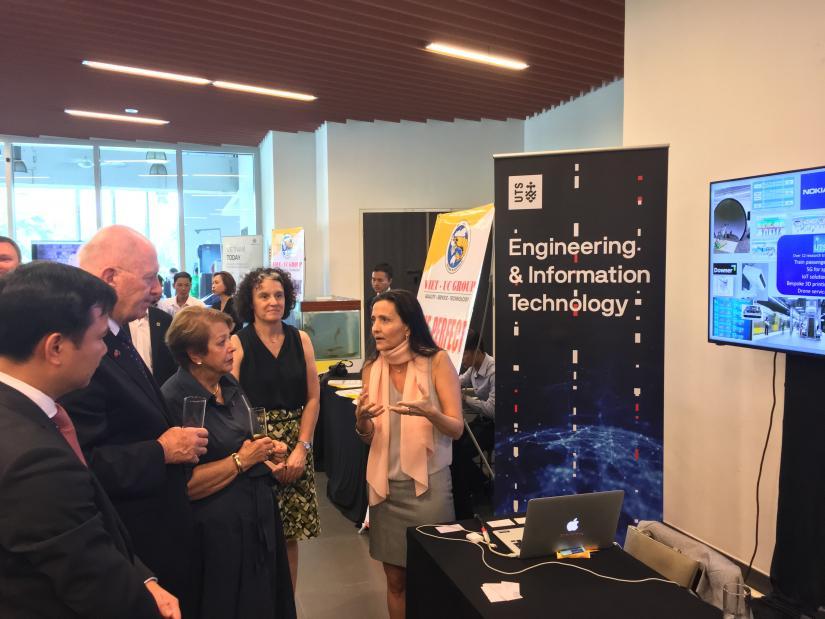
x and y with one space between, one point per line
397 135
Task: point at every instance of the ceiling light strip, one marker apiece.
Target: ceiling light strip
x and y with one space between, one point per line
162 75
258 90
144 120
468 54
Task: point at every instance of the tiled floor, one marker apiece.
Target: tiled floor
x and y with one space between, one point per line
337 579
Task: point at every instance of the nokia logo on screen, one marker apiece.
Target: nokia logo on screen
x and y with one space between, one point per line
813 191
727 268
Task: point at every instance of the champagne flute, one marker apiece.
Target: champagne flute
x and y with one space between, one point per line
194 411
260 427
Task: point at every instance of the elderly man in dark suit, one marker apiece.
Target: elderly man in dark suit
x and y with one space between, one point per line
132 443
63 550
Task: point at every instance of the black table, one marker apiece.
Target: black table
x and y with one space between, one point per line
343 455
444 579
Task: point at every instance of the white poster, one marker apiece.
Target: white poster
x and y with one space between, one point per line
450 281
288 254
242 254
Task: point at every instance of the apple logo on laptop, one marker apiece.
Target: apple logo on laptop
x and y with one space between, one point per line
573 525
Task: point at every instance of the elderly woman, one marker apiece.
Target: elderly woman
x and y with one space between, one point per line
409 413
275 364
241 560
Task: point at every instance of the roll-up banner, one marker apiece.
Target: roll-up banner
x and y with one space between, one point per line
288 254
450 280
242 254
580 311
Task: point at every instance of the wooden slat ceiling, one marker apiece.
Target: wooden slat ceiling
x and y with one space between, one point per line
363 59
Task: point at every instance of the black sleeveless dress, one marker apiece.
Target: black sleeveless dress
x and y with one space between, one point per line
279 384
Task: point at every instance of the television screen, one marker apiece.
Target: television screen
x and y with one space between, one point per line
56 251
767 261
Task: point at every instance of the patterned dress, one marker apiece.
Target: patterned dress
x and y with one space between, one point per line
279 384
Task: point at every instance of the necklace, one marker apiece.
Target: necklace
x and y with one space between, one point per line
215 390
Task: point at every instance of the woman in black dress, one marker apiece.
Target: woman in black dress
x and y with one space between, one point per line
223 285
241 563
275 365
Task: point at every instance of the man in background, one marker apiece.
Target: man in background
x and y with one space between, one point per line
381 280
63 549
478 394
133 444
381 277
10 257
182 286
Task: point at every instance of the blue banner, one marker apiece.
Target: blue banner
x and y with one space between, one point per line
580 292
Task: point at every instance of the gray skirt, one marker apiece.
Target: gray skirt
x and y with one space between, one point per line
389 519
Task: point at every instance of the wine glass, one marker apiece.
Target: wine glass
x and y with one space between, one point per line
260 427
194 411
736 601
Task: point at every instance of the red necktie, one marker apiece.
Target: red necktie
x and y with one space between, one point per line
66 427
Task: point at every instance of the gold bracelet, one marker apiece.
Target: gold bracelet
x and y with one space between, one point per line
365 434
238 463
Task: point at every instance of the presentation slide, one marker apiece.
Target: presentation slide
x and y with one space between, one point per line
767 261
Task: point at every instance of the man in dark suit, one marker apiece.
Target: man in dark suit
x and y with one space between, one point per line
149 338
131 441
381 281
63 550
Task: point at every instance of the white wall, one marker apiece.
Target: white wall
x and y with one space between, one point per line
591 121
736 89
390 166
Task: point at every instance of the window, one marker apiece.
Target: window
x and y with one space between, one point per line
55 189
218 201
54 194
139 189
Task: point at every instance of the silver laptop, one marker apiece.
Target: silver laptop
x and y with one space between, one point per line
564 522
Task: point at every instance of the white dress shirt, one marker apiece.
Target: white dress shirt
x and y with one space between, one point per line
483 382
142 339
171 307
45 403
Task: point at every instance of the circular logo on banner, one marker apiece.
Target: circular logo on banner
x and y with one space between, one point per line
458 246
287 245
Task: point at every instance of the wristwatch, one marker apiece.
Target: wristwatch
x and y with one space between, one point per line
307 445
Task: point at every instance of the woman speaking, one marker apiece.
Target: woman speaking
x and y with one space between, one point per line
409 413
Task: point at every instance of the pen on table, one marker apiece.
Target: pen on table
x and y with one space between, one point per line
485 535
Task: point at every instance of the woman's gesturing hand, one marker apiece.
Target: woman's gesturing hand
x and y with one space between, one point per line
365 411
416 408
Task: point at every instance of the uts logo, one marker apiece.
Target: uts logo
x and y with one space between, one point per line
813 191
458 246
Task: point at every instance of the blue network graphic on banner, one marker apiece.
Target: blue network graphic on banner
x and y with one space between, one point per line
580 275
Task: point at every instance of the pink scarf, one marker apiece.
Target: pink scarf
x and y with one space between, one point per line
416 432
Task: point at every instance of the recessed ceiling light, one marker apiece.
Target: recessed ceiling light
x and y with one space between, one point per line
162 75
272 92
131 110
104 116
474 56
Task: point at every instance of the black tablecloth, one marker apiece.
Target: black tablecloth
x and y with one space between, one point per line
344 456
444 579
